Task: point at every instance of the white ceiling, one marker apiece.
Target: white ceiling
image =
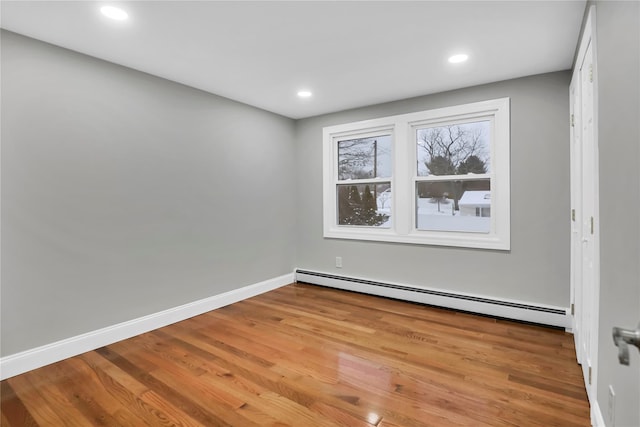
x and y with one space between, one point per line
350 54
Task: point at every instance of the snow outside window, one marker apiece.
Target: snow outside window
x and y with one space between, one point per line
437 177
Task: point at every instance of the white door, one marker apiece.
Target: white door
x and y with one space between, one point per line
589 306
576 212
584 227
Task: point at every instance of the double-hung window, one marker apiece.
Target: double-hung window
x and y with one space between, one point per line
437 177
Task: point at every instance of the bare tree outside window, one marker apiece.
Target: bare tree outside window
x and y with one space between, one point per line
457 149
364 158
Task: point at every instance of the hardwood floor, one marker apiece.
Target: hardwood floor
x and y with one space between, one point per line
304 355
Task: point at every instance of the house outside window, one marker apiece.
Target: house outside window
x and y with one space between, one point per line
436 177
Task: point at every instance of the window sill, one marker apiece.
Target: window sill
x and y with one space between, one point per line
429 238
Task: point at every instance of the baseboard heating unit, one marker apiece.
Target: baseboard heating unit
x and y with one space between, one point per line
509 309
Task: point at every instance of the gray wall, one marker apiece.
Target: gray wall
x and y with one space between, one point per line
537 267
124 194
618 79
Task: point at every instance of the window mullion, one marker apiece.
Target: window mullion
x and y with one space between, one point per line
363 181
402 180
467 177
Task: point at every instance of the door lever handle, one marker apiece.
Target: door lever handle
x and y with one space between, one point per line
622 338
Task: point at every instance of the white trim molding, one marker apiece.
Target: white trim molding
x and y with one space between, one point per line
597 420
499 307
24 361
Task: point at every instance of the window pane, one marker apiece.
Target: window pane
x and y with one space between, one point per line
365 204
365 158
454 149
454 206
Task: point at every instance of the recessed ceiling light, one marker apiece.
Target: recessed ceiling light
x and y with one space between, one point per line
455 59
114 13
304 94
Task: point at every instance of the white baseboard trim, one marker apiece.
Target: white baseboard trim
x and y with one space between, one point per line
509 309
24 361
597 420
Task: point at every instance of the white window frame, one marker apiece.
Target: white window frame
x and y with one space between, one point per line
402 129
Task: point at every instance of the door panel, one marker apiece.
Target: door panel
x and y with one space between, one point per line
588 336
576 212
584 229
